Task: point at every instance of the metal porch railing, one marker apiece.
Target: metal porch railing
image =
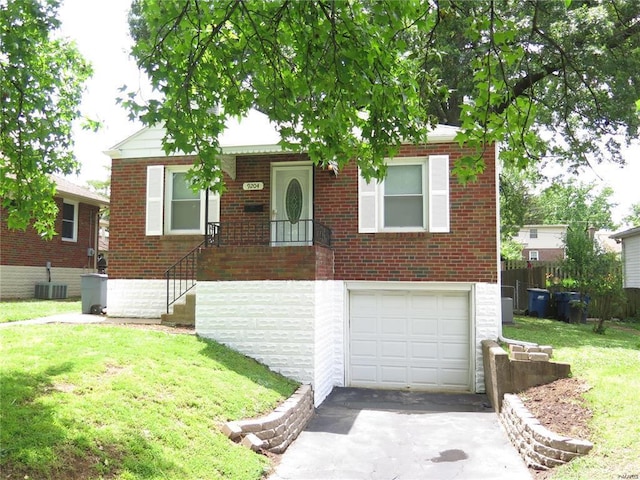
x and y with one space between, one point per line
268 232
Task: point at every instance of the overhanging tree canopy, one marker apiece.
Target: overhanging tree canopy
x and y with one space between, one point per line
41 81
352 80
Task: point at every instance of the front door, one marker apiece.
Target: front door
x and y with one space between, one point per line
292 204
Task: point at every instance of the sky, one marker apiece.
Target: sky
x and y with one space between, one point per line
100 30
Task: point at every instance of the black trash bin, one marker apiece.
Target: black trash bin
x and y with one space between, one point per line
562 302
568 311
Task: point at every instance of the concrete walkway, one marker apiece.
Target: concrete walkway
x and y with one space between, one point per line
83 318
390 435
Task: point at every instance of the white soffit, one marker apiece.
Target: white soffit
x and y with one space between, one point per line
254 134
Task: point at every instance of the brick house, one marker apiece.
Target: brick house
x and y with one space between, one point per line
27 260
325 278
545 243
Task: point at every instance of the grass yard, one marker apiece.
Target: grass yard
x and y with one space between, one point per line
111 402
610 364
15 310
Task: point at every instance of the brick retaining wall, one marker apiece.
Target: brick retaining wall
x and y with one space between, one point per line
541 448
276 431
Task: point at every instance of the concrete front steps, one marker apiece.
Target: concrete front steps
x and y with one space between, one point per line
184 312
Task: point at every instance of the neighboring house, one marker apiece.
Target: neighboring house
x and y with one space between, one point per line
630 240
542 242
325 278
31 266
103 237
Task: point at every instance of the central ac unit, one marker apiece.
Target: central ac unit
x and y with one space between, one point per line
51 291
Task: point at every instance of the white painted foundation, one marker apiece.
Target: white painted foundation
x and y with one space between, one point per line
298 328
136 298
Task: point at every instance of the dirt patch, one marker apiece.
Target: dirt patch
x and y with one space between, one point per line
560 407
71 465
623 328
185 330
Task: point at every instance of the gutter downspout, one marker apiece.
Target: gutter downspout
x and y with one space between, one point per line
515 342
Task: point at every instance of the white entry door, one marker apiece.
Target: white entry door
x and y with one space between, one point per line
292 205
409 339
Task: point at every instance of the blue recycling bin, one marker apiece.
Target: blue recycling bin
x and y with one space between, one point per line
538 302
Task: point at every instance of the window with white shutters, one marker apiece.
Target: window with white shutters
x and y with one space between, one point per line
413 197
172 207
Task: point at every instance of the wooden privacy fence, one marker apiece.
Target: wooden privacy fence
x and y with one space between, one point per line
519 275
516 282
633 302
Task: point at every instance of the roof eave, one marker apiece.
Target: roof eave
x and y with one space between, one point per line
626 233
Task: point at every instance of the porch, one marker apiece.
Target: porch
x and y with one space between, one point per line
266 250
254 250
274 233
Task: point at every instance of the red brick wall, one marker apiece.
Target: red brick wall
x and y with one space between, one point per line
266 263
467 253
251 169
27 248
132 254
545 254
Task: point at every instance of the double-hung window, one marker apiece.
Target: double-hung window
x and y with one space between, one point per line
69 221
413 197
173 208
183 204
403 197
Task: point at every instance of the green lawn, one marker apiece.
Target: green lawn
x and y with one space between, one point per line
14 310
96 401
610 364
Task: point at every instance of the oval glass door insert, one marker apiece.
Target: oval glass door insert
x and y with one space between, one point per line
293 201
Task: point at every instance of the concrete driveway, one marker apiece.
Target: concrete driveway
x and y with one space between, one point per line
397 435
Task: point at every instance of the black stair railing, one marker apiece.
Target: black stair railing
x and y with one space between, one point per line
182 275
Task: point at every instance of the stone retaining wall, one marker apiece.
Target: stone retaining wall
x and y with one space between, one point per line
541 448
528 367
276 431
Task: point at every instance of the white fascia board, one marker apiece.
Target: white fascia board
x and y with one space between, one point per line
372 285
626 233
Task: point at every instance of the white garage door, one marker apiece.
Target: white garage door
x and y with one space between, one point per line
409 339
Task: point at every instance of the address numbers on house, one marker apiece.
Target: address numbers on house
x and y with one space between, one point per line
253 186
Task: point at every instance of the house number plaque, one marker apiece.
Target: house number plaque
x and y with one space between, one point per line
253 186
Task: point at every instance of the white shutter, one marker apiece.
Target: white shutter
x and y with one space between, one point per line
214 209
439 193
155 199
367 205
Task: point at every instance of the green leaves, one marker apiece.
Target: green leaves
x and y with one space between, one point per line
354 80
334 77
577 204
41 82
